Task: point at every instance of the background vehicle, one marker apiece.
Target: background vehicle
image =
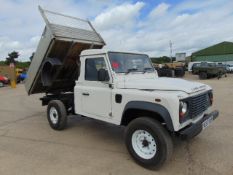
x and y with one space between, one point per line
21 75
229 68
18 71
4 80
175 69
120 88
207 70
191 64
7 73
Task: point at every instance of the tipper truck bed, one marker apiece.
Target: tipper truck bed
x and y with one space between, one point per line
55 64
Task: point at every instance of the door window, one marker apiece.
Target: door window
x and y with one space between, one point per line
92 66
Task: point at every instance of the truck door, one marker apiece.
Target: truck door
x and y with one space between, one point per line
95 94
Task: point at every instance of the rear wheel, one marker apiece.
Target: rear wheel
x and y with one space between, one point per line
57 115
219 75
203 75
148 142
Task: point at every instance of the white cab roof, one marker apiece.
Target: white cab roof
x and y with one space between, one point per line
104 51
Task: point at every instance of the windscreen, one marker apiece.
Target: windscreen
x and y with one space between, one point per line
127 62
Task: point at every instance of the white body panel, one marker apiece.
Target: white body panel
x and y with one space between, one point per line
145 87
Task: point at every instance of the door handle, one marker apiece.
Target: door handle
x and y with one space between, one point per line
85 93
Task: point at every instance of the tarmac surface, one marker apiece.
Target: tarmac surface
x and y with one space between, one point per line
29 146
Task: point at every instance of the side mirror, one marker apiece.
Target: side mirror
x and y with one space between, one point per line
103 75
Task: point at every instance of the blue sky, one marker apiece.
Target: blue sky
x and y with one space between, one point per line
130 25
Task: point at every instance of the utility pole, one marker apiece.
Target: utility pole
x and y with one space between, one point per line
170 45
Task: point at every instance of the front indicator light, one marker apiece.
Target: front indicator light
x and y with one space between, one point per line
211 97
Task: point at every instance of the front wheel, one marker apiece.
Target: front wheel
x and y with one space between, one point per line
57 115
148 142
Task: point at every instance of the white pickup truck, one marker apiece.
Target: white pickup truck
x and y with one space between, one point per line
121 88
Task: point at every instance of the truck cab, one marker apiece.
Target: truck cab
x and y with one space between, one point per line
103 77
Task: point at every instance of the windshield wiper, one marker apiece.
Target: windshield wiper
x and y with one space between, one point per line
146 69
131 70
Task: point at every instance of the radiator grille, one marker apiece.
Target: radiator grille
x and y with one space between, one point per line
199 104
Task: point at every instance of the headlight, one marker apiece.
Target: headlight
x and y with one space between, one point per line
183 112
183 107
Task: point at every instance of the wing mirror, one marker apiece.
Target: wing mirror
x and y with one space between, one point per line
103 75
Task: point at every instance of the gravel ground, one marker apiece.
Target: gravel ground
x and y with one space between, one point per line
29 146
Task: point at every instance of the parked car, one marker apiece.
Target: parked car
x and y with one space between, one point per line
229 68
4 80
21 77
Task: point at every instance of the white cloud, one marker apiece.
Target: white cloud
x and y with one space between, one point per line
181 19
159 10
13 44
35 39
120 16
190 28
7 44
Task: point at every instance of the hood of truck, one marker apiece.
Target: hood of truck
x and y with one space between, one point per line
163 84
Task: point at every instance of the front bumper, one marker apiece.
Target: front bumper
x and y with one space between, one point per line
194 129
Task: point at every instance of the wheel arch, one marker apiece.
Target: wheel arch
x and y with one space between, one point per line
135 109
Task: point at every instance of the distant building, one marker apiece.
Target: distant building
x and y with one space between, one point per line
180 56
222 52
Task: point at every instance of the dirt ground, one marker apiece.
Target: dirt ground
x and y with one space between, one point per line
29 146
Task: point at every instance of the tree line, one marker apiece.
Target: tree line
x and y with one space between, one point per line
12 59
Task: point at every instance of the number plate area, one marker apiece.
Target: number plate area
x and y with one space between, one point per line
207 122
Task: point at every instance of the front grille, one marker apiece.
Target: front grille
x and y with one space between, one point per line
198 104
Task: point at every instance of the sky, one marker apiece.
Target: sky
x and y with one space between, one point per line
128 25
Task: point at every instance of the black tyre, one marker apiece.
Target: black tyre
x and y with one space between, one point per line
219 75
169 73
148 142
179 72
57 115
18 80
203 75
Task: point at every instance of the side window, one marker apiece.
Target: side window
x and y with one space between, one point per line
204 64
92 66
